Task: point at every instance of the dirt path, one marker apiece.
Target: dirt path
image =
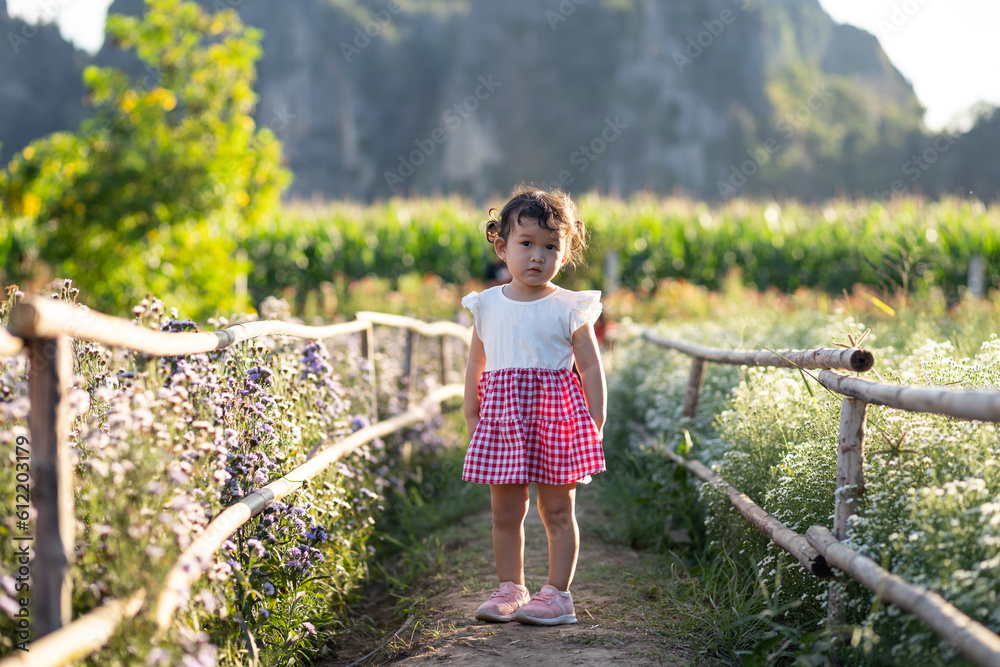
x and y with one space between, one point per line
621 618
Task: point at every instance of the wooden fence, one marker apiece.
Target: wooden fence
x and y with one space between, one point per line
819 549
42 327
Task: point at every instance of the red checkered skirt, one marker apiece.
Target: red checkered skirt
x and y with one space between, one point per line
534 427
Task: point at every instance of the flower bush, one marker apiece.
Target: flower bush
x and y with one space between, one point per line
162 445
931 509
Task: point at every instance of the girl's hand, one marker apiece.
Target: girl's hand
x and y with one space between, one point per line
588 363
473 371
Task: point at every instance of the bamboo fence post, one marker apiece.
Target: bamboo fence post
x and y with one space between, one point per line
693 392
368 352
52 483
408 377
445 358
850 486
850 463
977 276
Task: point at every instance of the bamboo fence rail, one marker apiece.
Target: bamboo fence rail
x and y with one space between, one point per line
80 638
9 345
824 548
38 317
973 405
432 329
850 359
779 533
43 328
189 566
971 638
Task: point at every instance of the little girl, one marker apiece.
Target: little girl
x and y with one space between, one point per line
528 418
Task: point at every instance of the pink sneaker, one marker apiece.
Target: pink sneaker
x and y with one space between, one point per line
504 602
549 607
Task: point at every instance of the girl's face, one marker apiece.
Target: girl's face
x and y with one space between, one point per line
533 254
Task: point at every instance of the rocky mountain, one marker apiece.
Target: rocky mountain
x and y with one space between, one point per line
711 98
41 87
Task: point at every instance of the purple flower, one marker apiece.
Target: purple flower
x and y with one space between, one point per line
261 375
301 558
314 357
316 534
256 544
359 422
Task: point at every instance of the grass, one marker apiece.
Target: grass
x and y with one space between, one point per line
650 604
769 436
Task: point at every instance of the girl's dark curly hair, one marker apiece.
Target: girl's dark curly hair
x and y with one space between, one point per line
554 210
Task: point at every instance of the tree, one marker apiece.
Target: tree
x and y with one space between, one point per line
157 190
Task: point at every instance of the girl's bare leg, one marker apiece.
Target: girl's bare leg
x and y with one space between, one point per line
557 507
510 505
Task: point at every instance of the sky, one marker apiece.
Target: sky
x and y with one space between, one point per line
946 48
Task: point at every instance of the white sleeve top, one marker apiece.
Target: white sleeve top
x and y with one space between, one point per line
531 334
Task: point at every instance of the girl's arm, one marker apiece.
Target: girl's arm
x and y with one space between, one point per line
473 370
588 363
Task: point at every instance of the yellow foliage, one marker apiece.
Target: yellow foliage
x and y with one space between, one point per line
28 152
242 198
128 101
163 98
31 204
